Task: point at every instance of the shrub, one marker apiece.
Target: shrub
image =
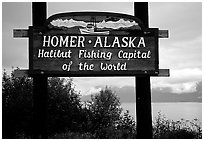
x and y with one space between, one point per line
182 129
100 118
64 106
127 126
105 108
72 135
106 119
16 106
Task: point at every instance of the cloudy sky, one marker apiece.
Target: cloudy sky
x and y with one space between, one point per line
181 52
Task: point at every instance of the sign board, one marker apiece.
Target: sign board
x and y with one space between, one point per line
93 44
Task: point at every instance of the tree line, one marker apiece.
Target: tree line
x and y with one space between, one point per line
69 117
97 118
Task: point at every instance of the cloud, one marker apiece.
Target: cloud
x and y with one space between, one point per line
84 84
184 46
180 76
14 51
180 81
181 54
179 88
183 20
93 90
187 74
54 7
187 87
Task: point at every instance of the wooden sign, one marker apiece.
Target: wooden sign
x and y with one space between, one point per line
93 44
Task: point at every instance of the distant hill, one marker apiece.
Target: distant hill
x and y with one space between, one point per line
127 94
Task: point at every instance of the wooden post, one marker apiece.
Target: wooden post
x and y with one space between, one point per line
143 89
40 96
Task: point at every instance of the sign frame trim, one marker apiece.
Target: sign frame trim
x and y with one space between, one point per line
92 73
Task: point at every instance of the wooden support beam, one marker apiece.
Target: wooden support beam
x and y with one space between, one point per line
20 73
164 73
23 33
40 93
20 33
163 34
40 107
143 89
143 107
25 73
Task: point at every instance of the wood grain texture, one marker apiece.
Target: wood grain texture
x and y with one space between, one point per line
20 33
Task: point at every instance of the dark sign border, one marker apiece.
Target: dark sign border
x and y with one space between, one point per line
61 15
92 73
44 29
